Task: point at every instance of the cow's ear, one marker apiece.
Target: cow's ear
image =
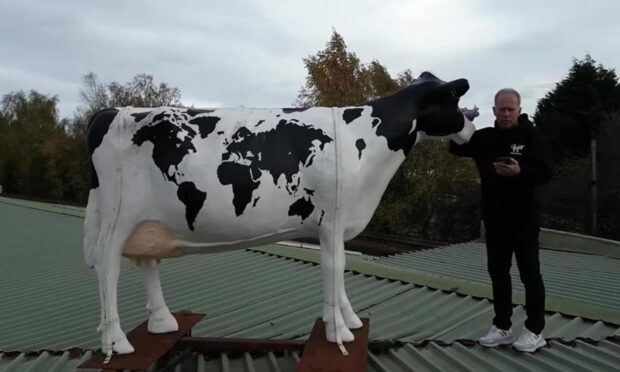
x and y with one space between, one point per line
453 89
425 77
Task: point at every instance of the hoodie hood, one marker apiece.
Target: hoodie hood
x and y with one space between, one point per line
524 124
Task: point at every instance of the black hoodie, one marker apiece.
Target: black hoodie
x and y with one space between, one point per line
501 195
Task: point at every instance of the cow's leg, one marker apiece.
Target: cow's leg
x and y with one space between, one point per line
160 318
351 319
113 338
332 266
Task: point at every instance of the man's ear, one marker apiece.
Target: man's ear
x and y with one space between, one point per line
519 110
494 112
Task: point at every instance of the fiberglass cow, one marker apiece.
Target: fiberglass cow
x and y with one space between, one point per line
169 181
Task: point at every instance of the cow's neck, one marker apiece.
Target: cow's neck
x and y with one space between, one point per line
396 114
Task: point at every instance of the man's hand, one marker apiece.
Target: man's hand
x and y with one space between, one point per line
507 167
471 114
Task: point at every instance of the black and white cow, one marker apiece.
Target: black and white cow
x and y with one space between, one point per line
233 178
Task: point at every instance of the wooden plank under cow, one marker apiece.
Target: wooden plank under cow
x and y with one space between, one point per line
221 345
321 355
148 347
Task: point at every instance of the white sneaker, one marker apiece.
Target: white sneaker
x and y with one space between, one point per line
529 341
496 337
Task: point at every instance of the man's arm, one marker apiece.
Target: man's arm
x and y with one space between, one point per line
470 149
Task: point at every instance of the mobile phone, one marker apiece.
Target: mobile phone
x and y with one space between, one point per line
504 159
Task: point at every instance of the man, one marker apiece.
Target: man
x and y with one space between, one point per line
512 161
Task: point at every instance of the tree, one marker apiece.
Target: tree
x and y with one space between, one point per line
432 195
609 176
141 91
29 121
571 114
334 77
571 117
43 157
337 78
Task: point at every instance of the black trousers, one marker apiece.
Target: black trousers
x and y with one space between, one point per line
518 234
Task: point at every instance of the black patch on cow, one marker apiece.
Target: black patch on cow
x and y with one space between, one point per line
397 112
321 219
255 201
220 132
161 116
278 151
206 124
239 176
292 188
189 130
302 207
351 114
194 112
309 191
140 115
361 145
375 121
259 123
98 127
281 149
294 109
193 199
168 149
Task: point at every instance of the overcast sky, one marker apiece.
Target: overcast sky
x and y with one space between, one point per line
231 53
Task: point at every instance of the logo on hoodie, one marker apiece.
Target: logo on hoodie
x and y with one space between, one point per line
516 149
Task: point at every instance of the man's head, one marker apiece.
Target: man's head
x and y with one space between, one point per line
507 108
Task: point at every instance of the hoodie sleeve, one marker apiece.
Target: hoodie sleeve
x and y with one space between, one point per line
537 167
470 149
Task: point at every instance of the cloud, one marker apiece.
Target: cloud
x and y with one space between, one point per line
250 52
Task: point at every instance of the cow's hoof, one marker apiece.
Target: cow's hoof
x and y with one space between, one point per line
352 321
345 334
161 321
122 346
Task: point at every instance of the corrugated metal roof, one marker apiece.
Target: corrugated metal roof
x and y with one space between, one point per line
432 357
583 277
52 300
50 305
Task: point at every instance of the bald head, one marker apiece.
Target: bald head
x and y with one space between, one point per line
507 108
508 91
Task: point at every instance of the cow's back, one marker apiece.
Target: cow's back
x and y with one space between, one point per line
219 175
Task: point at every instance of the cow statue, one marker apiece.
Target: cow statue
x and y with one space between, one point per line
170 181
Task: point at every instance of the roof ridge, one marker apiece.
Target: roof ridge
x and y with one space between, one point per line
45 207
478 290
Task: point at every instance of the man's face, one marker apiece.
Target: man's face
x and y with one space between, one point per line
507 110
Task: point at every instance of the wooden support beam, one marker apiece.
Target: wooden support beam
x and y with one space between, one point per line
321 355
148 347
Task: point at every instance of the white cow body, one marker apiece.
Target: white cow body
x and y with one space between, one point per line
180 167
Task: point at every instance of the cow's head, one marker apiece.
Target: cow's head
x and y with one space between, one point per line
438 114
426 108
